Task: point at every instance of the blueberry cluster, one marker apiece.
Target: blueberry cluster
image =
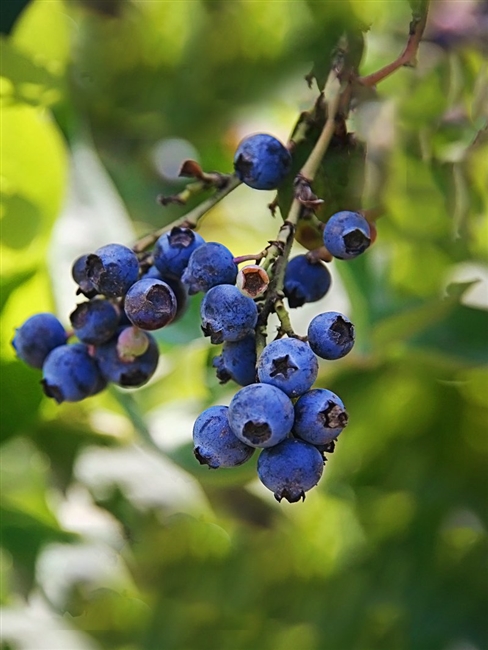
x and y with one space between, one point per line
129 294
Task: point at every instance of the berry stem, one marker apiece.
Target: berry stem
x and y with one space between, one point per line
190 219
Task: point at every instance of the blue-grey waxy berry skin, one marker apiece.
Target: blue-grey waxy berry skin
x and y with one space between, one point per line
209 265
262 162
237 361
70 374
227 315
150 304
179 289
290 469
320 416
347 235
78 272
331 335
305 281
112 269
35 339
173 250
261 415
289 364
128 374
214 443
95 321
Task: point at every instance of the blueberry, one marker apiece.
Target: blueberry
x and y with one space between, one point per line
179 289
70 374
320 416
331 335
112 269
173 249
237 361
78 272
214 443
262 162
261 415
35 339
209 265
347 235
288 364
150 304
94 322
227 315
127 373
305 281
290 469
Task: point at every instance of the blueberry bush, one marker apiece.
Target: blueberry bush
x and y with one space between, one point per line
244 316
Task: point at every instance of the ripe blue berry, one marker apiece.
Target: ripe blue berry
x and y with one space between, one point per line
227 315
129 373
150 304
35 339
320 416
78 272
305 281
237 361
179 289
173 249
261 415
112 269
288 364
94 322
209 265
290 469
347 235
214 443
331 335
70 374
261 161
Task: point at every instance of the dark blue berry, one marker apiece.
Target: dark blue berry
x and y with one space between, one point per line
227 315
214 443
173 250
347 235
320 416
237 361
112 269
78 272
290 469
70 374
130 373
35 339
150 304
305 281
331 335
179 289
94 322
209 265
288 364
262 162
261 415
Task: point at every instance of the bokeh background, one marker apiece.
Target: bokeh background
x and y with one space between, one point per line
112 536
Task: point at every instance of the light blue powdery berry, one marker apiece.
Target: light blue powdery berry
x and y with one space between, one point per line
227 315
173 250
347 235
209 265
320 416
261 415
262 162
237 361
35 339
95 321
305 281
215 444
288 364
290 469
112 269
331 335
70 374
